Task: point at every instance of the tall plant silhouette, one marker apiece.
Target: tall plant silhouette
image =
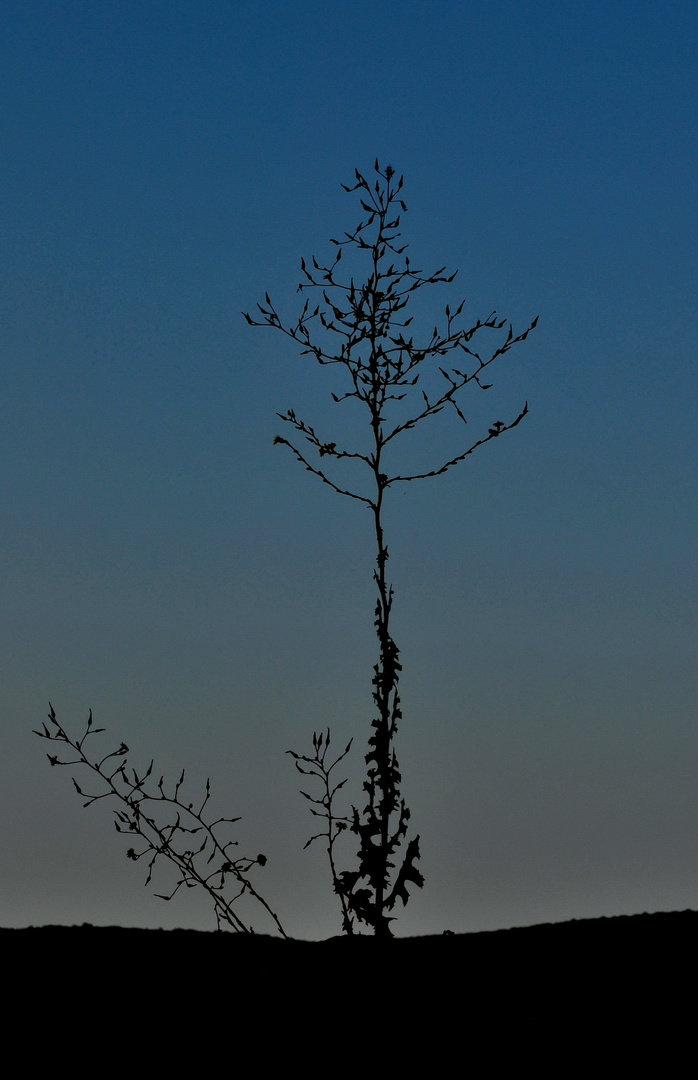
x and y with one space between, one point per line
361 327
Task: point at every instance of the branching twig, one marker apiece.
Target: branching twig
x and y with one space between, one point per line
164 823
335 823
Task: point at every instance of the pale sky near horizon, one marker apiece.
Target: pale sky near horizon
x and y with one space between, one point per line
165 565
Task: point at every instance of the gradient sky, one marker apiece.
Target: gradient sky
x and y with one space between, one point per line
164 164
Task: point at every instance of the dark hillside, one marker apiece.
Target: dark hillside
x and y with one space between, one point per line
627 978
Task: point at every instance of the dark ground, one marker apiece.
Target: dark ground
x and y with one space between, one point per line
612 986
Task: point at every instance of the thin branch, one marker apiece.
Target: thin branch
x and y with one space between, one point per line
166 840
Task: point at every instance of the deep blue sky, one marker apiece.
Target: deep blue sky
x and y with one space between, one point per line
166 164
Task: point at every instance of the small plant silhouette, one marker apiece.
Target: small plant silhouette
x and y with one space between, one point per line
399 382
318 767
163 824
